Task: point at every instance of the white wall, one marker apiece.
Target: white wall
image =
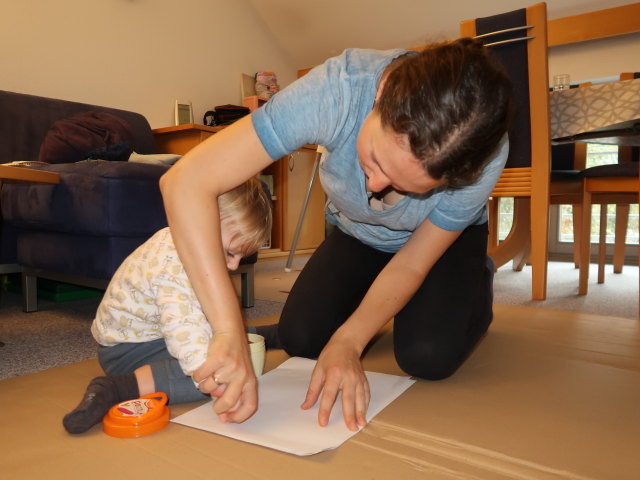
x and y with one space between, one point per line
138 55
596 58
310 31
142 55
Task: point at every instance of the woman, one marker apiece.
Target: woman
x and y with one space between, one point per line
415 143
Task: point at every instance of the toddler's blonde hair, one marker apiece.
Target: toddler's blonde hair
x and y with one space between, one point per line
246 210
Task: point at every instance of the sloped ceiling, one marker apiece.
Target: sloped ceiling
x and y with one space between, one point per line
311 31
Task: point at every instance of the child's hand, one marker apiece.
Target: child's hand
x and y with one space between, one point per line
230 377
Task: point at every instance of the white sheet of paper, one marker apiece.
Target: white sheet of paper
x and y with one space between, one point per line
281 424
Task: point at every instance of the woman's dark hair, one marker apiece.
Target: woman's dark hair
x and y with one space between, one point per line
453 101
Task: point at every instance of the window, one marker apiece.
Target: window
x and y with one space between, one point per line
505 217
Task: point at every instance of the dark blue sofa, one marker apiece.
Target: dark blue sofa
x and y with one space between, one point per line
82 229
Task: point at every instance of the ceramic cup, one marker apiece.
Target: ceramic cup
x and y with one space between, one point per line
257 350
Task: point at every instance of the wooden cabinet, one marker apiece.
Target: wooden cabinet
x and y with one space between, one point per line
291 176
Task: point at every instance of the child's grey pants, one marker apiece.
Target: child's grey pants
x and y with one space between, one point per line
168 376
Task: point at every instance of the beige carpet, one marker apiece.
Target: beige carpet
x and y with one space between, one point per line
59 333
617 297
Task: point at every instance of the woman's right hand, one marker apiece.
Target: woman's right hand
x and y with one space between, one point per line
229 363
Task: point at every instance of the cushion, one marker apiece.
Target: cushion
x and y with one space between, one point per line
98 198
614 170
565 175
562 156
88 135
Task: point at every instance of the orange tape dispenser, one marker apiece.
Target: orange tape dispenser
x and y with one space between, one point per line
137 417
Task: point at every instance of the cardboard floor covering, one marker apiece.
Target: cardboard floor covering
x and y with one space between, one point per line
546 395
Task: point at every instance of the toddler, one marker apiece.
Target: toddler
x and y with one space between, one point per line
150 326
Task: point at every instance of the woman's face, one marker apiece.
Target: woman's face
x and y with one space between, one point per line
387 161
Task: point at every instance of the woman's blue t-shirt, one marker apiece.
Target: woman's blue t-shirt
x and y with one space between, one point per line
327 107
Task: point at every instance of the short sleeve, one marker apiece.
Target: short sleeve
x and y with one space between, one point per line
292 117
326 106
457 209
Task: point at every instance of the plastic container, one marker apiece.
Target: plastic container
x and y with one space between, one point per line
137 417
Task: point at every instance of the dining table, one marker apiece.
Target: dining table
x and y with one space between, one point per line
606 113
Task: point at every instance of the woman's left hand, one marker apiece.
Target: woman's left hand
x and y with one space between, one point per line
338 369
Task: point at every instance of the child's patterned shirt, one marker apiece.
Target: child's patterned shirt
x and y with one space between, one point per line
150 297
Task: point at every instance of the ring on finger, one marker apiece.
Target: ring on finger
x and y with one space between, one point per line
216 380
200 382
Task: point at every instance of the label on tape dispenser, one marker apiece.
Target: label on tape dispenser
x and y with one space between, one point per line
137 417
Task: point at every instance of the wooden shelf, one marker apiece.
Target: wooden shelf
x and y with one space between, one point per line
253 102
179 139
187 126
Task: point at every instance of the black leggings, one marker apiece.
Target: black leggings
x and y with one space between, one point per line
433 333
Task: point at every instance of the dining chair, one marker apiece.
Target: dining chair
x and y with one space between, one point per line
565 188
518 39
604 185
626 154
621 183
568 160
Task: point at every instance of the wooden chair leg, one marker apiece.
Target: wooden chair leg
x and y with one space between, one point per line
602 242
493 212
539 246
622 222
585 243
576 211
